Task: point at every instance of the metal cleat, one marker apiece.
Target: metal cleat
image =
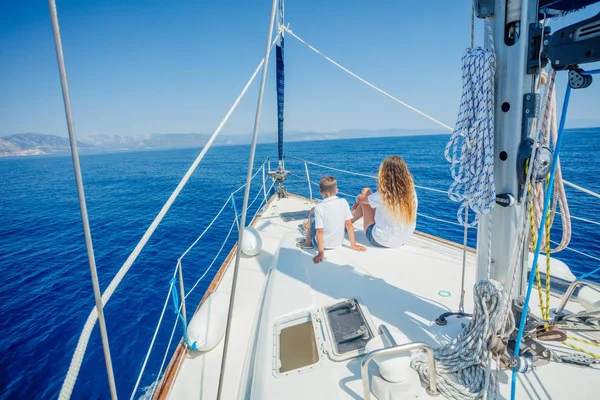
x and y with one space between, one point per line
552 335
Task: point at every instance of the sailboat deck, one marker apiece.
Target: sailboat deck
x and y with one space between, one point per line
405 289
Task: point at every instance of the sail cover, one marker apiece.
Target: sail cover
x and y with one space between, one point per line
280 98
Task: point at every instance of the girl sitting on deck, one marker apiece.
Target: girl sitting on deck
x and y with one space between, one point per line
390 214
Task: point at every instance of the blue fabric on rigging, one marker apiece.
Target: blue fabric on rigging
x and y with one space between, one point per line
178 313
280 98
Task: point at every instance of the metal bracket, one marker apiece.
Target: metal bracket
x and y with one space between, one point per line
576 44
392 351
484 8
505 199
537 35
530 111
523 158
531 105
279 176
441 320
577 80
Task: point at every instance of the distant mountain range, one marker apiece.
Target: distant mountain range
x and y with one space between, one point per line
26 144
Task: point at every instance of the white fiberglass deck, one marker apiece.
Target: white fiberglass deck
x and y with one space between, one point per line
405 289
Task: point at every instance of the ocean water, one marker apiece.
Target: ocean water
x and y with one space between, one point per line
46 292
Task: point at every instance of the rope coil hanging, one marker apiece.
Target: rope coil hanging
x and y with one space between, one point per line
549 132
470 149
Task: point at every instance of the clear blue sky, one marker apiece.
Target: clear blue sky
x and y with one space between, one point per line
139 67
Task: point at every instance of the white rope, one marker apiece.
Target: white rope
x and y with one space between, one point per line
74 367
582 219
462 364
213 261
333 168
368 83
438 219
470 149
162 314
579 252
431 189
256 197
154 386
358 174
218 214
205 230
253 176
581 189
549 129
158 377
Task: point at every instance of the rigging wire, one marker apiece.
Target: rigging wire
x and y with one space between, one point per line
98 311
368 83
246 196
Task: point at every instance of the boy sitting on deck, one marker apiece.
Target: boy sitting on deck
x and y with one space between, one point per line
327 220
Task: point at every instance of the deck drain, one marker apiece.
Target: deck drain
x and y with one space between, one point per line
444 293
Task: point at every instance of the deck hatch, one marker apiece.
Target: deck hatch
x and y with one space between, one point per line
294 216
298 344
297 347
349 328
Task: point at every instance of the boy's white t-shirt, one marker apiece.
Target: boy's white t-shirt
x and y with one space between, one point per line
387 232
331 215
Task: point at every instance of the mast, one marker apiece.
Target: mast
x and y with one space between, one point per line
280 76
280 174
516 105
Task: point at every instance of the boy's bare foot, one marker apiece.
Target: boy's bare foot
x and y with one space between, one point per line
304 244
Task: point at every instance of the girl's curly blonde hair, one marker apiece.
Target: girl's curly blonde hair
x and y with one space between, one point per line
397 189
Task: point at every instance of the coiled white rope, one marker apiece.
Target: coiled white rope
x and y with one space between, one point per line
549 129
470 149
462 364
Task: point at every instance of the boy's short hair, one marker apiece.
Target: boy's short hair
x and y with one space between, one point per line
328 184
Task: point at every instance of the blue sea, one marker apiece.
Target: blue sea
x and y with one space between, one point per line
46 292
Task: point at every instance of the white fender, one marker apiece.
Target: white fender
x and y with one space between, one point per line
208 325
589 298
251 242
558 268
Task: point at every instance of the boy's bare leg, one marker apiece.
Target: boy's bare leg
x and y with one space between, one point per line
308 231
307 241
